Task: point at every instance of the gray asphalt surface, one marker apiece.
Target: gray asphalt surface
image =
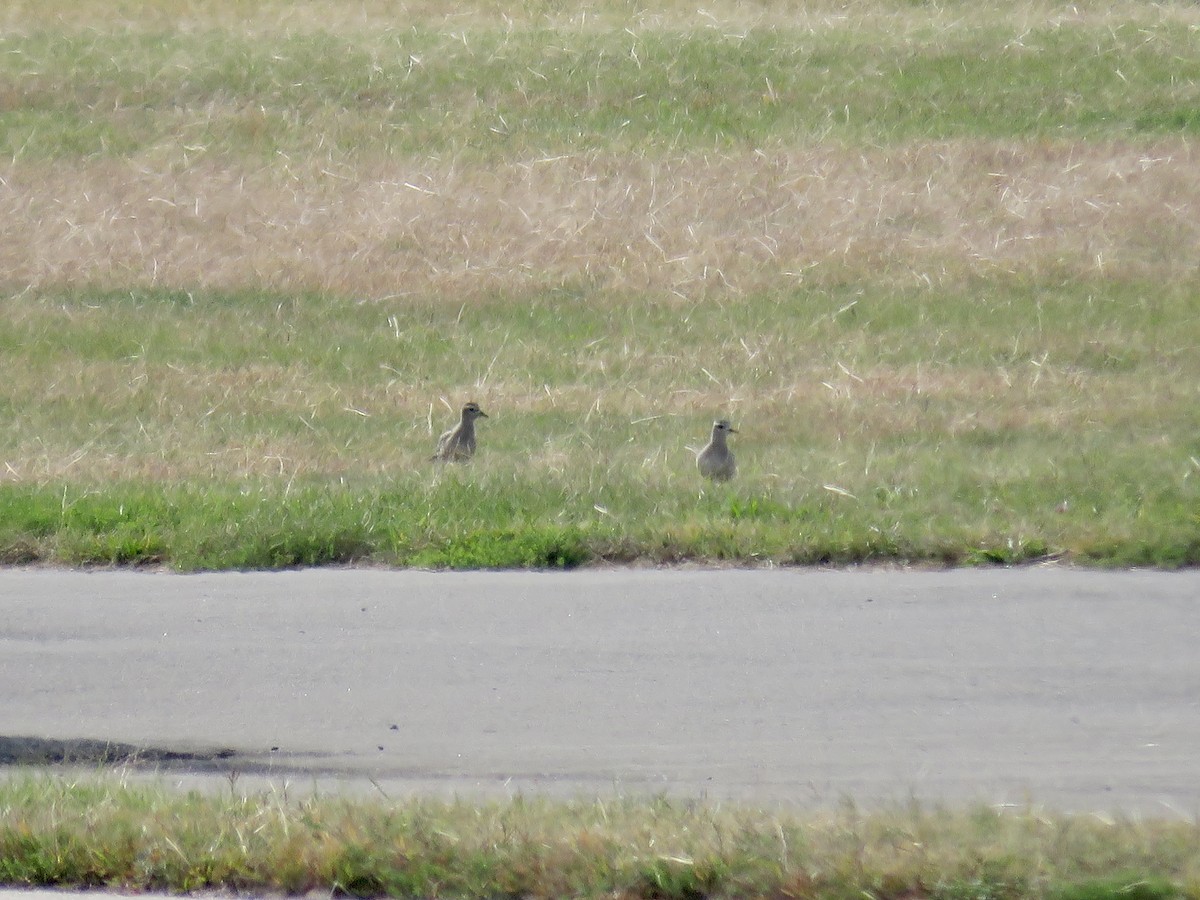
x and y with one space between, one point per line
1075 690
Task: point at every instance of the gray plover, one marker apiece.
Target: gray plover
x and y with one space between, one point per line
458 444
716 460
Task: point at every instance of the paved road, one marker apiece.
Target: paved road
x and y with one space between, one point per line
1073 689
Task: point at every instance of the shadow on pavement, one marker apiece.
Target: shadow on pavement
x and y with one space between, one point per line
34 751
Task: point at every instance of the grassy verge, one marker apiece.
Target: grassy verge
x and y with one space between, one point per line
455 526
102 834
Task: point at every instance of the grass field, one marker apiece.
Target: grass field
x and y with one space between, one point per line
939 264
106 834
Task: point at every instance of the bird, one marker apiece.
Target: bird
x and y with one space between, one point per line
716 460
458 444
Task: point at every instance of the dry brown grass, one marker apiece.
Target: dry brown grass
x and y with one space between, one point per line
687 224
371 16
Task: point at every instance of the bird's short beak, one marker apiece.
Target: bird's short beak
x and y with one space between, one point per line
732 430
483 415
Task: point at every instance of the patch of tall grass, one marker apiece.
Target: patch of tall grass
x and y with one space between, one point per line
101 833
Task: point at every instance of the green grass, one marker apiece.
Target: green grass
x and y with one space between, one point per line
497 93
100 834
985 423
